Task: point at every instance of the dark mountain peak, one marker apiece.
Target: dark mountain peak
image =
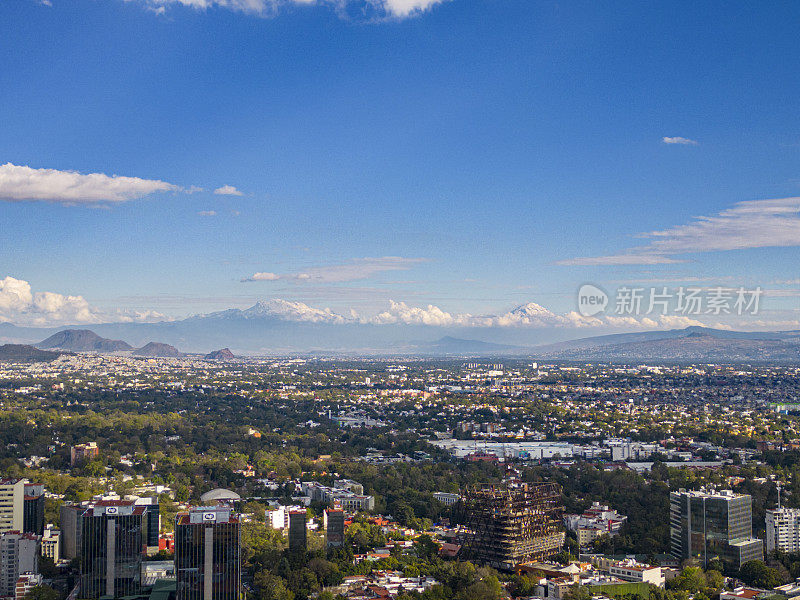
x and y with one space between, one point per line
159 350
223 354
21 353
83 340
700 334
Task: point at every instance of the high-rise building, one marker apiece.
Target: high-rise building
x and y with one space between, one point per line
12 504
298 533
19 553
71 517
508 524
783 529
33 508
707 525
334 527
83 453
207 554
112 546
152 521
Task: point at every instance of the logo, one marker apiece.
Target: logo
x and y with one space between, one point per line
209 516
112 510
591 300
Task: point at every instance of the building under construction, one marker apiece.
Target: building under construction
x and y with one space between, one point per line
504 525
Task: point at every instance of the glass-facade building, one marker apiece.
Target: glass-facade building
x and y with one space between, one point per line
112 547
33 509
713 525
207 554
334 527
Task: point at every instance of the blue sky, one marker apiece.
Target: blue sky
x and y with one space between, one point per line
473 155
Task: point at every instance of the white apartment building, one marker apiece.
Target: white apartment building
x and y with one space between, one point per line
783 529
446 498
51 543
19 553
12 504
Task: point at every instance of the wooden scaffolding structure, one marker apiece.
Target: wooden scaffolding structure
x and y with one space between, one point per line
504 525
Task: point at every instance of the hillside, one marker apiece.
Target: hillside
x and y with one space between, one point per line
223 354
158 350
83 340
694 344
21 353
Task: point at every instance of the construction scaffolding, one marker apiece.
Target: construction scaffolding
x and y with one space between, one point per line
507 524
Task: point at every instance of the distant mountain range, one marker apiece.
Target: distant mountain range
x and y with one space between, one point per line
277 328
692 344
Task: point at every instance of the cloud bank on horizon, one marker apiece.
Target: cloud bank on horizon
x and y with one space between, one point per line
21 305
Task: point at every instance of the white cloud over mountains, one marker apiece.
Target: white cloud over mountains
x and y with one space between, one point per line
749 224
357 268
20 305
399 9
529 315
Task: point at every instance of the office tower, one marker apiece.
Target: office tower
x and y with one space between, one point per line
19 553
152 521
334 527
71 517
112 545
207 554
708 525
83 453
298 534
509 524
33 508
783 529
12 504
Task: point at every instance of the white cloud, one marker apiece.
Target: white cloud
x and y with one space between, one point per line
19 304
264 277
619 259
227 190
357 268
748 224
531 315
207 213
398 9
23 183
679 140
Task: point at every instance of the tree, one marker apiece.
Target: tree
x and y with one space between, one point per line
43 592
270 587
758 574
578 592
425 547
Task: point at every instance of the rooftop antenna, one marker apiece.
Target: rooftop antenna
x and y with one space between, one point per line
779 494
